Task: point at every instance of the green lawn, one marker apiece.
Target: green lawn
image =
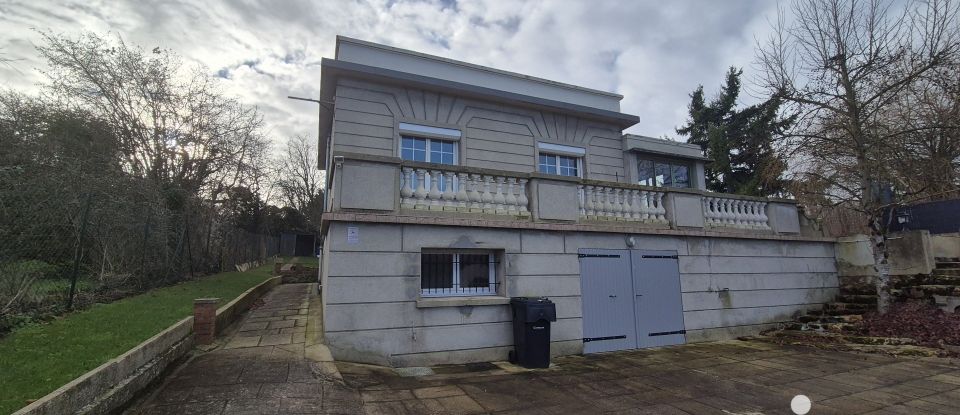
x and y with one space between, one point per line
36 360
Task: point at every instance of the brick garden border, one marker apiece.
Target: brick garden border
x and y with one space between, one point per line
115 383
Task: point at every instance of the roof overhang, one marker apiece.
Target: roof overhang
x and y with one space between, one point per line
664 148
332 70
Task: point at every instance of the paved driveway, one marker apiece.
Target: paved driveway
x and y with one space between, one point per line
269 365
708 378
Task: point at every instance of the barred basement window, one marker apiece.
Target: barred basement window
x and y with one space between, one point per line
458 273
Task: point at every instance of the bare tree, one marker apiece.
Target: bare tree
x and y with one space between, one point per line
299 183
175 126
842 66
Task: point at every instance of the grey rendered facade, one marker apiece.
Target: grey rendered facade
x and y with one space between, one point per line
743 263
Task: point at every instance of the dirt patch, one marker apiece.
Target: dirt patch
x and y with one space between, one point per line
917 320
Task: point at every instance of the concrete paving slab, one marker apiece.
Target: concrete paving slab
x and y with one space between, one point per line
289 371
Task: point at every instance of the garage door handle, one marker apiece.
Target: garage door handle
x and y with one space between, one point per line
613 296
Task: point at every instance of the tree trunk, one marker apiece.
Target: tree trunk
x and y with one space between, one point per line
882 266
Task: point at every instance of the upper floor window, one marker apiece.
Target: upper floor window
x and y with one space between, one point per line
560 160
429 150
663 174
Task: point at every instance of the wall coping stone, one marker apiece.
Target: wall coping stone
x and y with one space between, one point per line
537 175
116 382
431 302
614 227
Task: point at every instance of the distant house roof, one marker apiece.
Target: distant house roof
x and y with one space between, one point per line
370 61
662 147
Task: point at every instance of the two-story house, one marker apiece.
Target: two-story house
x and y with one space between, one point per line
453 187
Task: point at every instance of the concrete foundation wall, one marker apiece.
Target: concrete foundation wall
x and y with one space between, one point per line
730 287
946 245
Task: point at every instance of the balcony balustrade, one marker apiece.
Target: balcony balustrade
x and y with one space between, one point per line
436 189
420 189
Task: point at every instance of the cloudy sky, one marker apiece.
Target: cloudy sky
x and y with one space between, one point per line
653 52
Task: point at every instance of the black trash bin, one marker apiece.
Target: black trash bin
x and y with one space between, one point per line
531 331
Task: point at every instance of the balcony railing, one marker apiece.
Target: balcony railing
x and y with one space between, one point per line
616 203
360 184
436 189
720 211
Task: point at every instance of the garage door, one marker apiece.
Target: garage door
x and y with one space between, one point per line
631 299
606 288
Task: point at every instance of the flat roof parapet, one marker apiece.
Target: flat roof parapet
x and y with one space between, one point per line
402 60
664 147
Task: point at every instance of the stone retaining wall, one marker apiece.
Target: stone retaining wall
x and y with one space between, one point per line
113 384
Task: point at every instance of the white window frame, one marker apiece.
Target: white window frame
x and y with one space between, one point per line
456 148
491 288
557 164
559 150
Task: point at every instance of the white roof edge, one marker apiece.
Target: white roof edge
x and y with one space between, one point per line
341 38
663 141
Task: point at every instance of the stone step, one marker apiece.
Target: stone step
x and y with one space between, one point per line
852 338
859 290
832 341
830 319
858 298
924 291
853 308
946 271
937 279
947 265
946 259
821 327
835 312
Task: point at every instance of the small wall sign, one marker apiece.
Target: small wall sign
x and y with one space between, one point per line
353 235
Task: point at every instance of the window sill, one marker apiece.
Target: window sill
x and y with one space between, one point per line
432 302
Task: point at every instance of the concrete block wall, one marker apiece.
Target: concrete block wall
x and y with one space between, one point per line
730 287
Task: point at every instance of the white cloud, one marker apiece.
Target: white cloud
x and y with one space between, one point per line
652 52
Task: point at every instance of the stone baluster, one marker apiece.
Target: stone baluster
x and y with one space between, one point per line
643 204
434 195
589 201
421 193
476 199
449 194
522 200
605 206
406 189
742 209
487 197
462 198
619 207
727 212
498 198
511 198
710 211
661 212
764 220
628 204
635 211
735 213
752 216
